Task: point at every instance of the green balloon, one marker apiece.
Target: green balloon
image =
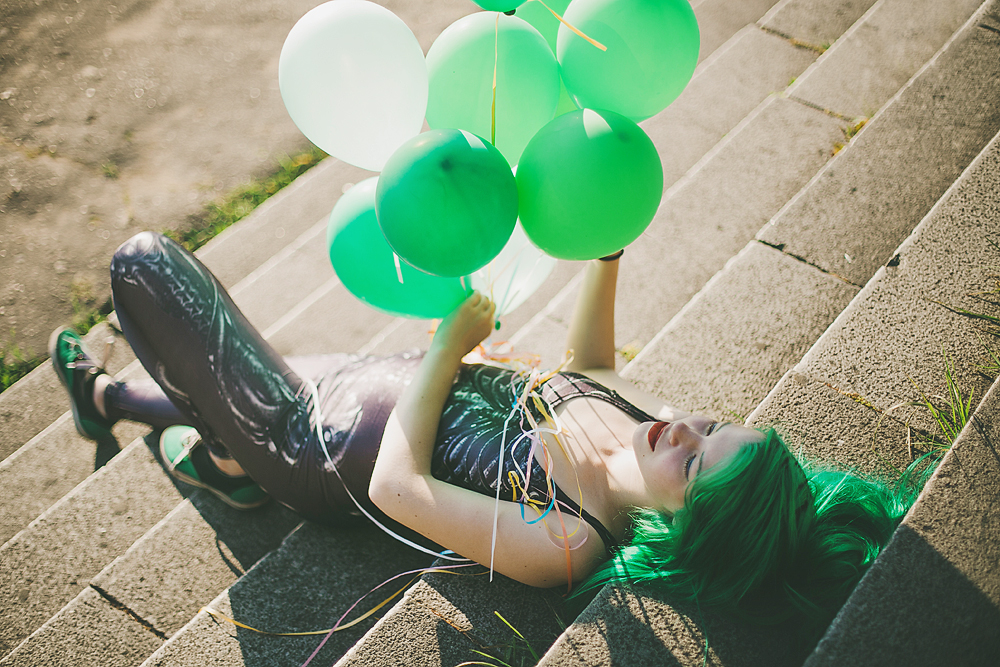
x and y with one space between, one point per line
541 19
447 202
589 183
365 264
460 77
652 52
499 5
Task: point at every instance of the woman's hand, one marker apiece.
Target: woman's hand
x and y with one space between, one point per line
467 326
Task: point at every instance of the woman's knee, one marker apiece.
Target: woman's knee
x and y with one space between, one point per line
139 247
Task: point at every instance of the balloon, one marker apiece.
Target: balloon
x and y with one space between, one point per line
513 275
447 202
589 183
366 266
652 52
499 5
460 69
354 81
541 19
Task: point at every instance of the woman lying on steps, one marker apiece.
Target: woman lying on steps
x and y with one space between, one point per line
597 481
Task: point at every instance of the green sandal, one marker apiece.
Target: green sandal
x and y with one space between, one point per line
186 460
77 372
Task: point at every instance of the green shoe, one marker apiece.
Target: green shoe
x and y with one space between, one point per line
189 462
77 371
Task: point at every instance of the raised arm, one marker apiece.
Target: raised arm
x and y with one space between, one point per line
592 327
592 339
402 485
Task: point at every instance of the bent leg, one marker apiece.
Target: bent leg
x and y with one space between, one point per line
142 401
220 373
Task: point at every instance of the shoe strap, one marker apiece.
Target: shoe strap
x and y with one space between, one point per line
190 442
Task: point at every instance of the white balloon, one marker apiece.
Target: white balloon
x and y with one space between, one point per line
354 81
515 274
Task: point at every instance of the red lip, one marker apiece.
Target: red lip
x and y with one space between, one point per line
654 433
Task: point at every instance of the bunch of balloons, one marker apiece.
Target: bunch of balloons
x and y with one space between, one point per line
553 100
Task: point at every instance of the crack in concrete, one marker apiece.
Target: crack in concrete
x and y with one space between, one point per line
780 247
795 41
120 606
828 112
989 27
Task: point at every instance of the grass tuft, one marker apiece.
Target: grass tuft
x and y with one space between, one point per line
14 366
950 412
240 202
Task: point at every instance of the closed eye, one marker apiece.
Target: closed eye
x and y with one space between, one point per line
687 466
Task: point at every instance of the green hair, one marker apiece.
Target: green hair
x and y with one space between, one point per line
765 538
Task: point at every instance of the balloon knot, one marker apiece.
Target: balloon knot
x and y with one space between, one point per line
510 13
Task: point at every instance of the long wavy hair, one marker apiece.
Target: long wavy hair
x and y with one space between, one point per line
764 537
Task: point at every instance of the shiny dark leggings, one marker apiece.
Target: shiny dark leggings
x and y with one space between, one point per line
215 372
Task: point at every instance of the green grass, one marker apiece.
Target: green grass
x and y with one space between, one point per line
14 366
216 217
240 202
516 652
950 411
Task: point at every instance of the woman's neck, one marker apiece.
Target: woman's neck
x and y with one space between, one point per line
600 444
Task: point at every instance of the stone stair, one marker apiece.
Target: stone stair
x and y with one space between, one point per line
764 240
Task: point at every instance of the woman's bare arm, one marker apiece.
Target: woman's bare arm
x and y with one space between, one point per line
592 327
462 520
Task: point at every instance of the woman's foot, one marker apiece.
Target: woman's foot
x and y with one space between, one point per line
79 374
188 461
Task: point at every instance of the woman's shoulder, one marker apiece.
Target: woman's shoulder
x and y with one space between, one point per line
649 403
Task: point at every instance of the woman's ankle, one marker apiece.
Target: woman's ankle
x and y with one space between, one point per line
227 466
101 383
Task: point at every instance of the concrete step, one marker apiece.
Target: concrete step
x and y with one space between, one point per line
48 563
721 356
892 331
265 299
252 273
942 563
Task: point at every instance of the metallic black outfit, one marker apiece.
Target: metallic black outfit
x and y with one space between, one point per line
216 373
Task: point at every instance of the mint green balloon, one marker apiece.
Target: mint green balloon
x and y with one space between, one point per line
447 202
541 19
499 5
365 264
460 80
589 183
652 52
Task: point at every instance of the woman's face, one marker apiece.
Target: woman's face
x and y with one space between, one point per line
671 454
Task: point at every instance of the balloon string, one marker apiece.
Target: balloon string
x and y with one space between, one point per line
493 108
574 29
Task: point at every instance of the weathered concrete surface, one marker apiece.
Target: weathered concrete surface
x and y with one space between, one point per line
901 330
871 196
198 550
444 618
815 22
49 467
305 585
116 118
862 71
89 631
718 20
735 339
943 564
626 627
50 562
724 89
276 225
826 425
